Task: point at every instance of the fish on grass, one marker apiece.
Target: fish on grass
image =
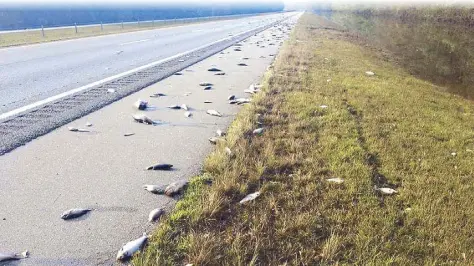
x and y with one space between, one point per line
250 197
141 105
258 131
155 214
385 190
143 119
155 189
228 151
127 251
74 213
213 113
162 166
370 73
336 180
13 256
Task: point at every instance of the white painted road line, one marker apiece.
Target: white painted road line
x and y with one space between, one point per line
127 43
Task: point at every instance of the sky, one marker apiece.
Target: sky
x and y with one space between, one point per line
288 2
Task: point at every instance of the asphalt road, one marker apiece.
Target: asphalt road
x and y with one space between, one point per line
105 170
35 72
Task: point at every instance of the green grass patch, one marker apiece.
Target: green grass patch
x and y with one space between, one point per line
388 130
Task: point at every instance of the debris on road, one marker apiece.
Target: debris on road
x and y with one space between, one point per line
75 129
163 166
214 113
155 189
74 213
13 256
131 248
155 214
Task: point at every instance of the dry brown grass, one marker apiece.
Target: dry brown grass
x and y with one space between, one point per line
389 130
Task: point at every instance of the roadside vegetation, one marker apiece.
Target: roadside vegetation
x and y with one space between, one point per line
325 118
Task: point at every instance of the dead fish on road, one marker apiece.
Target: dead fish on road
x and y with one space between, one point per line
157 95
242 100
175 188
88 124
13 256
188 114
231 97
75 129
132 247
213 140
214 113
141 118
205 84
176 107
250 197
155 214
74 213
208 88
237 49
163 166
178 74
155 189
207 101
184 107
128 134
220 133
141 105
242 64
220 74
214 69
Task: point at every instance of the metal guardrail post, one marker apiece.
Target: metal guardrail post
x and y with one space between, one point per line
42 31
75 27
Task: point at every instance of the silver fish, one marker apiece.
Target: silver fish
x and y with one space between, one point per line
220 133
13 256
141 105
258 131
141 118
155 214
250 197
242 64
214 113
155 189
162 166
75 129
74 213
205 84
184 107
175 188
213 140
132 247
174 107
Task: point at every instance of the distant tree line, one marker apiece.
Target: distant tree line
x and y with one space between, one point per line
24 17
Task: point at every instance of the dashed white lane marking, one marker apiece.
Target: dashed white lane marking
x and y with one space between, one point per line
127 43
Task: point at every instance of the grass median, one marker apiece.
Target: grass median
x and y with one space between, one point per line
325 118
